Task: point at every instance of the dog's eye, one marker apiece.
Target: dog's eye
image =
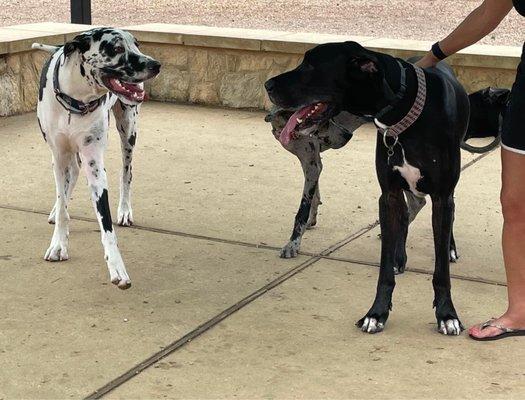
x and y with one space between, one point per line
119 49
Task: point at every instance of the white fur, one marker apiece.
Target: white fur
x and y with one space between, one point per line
86 136
411 174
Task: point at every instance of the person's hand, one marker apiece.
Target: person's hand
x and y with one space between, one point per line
428 60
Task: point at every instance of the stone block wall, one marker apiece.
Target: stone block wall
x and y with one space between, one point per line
221 66
211 76
19 77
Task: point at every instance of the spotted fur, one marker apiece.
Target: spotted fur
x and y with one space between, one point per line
79 141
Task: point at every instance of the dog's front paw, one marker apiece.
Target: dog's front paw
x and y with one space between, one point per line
291 249
57 251
370 325
125 216
451 327
117 272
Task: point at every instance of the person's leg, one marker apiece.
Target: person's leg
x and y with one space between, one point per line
513 205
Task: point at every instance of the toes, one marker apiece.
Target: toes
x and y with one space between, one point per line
125 220
124 284
399 270
454 256
290 250
121 283
370 325
451 327
56 253
125 216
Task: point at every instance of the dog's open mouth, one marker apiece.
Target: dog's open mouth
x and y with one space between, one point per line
304 118
131 91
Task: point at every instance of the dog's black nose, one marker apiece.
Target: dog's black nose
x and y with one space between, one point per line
269 85
153 66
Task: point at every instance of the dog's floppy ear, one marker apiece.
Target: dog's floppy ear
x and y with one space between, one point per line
80 42
360 59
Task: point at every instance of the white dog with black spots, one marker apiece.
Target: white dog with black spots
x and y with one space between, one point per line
99 71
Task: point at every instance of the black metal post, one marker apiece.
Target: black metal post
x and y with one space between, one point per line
80 11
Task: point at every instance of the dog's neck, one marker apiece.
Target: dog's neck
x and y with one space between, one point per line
76 84
393 79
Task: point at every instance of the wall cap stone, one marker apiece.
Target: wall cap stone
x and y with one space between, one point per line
19 38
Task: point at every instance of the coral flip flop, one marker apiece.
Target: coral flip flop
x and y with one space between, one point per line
505 332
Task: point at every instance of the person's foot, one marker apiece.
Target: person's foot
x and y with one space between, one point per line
478 332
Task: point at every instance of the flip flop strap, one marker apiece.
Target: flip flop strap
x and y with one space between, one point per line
497 326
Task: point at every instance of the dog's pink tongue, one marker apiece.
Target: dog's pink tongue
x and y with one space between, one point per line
287 133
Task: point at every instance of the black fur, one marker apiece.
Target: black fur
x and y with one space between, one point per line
104 211
350 78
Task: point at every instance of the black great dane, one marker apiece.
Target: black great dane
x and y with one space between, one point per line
420 154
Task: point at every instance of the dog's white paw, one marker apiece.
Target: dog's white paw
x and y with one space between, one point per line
291 249
372 325
125 216
57 251
117 272
450 327
453 256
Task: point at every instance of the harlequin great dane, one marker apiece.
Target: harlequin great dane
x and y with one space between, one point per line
487 107
98 71
307 145
422 116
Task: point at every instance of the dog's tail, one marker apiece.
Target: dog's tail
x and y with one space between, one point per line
44 47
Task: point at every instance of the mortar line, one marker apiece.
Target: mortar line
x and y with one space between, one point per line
201 329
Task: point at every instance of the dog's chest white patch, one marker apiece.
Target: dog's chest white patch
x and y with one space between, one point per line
411 175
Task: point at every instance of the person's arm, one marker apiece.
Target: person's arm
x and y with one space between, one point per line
475 27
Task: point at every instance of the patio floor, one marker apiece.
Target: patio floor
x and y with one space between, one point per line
214 196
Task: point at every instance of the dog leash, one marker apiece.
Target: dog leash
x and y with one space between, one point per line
72 105
413 114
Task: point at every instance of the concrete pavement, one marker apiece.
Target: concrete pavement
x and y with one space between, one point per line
214 197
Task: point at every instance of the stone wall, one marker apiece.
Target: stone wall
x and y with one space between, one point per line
231 78
19 77
235 78
221 66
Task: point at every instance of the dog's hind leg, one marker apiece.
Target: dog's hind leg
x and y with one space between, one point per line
57 250
93 166
126 118
393 217
442 217
71 176
311 163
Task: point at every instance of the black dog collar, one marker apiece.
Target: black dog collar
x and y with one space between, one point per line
73 106
400 93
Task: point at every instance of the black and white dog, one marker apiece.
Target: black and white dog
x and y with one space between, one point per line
487 107
424 158
307 145
99 71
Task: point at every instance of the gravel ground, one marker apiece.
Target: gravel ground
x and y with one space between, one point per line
409 19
